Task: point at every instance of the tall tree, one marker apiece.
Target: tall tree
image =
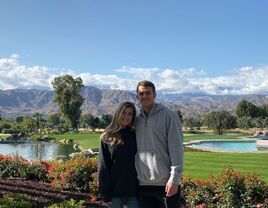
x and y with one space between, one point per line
85 119
106 120
244 122
19 119
219 121
189 123
27 126
39 122
247 109
54 119
265 109
179 113
67 96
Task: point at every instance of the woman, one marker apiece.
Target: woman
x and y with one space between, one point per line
117 175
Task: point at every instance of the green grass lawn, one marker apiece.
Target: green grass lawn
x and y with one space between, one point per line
90 140
188 137
199 164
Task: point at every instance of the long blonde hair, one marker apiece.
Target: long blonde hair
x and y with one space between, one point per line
111 133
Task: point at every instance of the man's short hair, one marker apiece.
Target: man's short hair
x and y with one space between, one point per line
145 83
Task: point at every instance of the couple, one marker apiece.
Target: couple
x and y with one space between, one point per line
142 168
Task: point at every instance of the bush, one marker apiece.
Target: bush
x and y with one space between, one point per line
15 201
229 189
198 192
13 166
38 171
69 204
256 190
74 174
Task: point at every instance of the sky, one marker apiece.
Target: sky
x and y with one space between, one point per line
213 47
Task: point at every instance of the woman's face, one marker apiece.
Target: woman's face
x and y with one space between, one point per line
126 117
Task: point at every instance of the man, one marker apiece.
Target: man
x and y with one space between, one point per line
159 160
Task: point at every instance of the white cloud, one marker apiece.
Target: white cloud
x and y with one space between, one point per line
14 75
245 80
107 81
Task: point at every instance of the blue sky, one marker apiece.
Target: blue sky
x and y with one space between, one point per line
214 47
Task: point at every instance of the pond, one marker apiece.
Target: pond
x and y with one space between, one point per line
226 145
37 150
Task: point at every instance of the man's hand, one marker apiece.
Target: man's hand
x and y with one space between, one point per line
171 189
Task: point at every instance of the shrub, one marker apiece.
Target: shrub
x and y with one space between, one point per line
198 192
74 174
38 171
229 189
15 201
94 188
256 190
13 166
69 204
230 186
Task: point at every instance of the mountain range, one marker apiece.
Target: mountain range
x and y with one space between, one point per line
21 102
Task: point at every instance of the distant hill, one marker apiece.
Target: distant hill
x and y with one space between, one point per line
19 102
194 104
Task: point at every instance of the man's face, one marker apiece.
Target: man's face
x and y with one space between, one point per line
146 97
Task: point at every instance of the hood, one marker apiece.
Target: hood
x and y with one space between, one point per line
157 107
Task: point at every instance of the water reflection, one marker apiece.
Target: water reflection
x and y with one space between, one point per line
37 150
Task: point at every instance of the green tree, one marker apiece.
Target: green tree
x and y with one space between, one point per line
106 119
40 122
4 125
265 122
244 122
219 121
204 119
85 119
258 122
14 131
54 120
265 109
27 126
190 123
247 109
95 123
179 113
19 119
67 96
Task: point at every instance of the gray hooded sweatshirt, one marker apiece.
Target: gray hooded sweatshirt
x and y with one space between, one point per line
159 158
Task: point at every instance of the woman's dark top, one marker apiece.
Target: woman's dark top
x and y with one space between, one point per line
117 173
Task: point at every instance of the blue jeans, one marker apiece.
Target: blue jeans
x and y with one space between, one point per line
119 202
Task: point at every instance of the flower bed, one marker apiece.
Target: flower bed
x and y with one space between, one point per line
79 177
229 189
